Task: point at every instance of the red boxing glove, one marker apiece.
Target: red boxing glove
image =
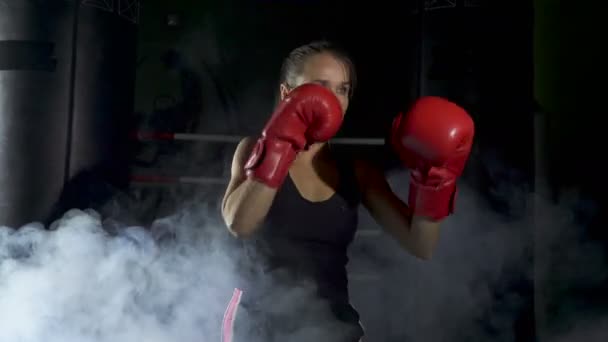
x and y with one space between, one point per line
434 141
309 114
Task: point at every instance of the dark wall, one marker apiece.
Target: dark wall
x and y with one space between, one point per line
236 49
230 54
480 56
570 70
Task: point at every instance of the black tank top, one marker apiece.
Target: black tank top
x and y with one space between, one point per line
309 240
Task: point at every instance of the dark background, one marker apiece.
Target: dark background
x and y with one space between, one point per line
479 54
508 62
530 73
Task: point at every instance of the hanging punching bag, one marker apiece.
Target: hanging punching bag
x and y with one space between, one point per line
35 61
61 83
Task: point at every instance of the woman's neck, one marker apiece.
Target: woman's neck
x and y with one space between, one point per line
313 153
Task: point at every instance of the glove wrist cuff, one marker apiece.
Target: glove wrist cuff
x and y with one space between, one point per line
434 202
269 161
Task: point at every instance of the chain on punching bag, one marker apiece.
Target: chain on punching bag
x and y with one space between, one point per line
66 83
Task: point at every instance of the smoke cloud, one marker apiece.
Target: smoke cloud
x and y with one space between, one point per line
480 284
471 290
80 283
91 278
100 277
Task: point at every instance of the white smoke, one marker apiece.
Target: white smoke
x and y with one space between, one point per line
89 278
79 283
479 283
451 297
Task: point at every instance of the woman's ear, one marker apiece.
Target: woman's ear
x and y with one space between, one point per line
284 90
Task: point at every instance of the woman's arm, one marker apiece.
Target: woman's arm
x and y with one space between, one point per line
246 201
309 114
418 235
433 140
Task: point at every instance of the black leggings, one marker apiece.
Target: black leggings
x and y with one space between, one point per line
245 321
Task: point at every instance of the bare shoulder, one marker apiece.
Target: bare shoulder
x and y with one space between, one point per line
242 152
245 145
237 169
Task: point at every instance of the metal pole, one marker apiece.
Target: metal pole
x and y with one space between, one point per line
541 200
222 138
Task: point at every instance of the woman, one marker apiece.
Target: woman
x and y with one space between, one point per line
290 191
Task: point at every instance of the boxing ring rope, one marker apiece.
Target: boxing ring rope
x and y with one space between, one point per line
218 138
168 180
158 180
223 138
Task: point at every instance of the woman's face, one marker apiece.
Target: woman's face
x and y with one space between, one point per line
326 70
